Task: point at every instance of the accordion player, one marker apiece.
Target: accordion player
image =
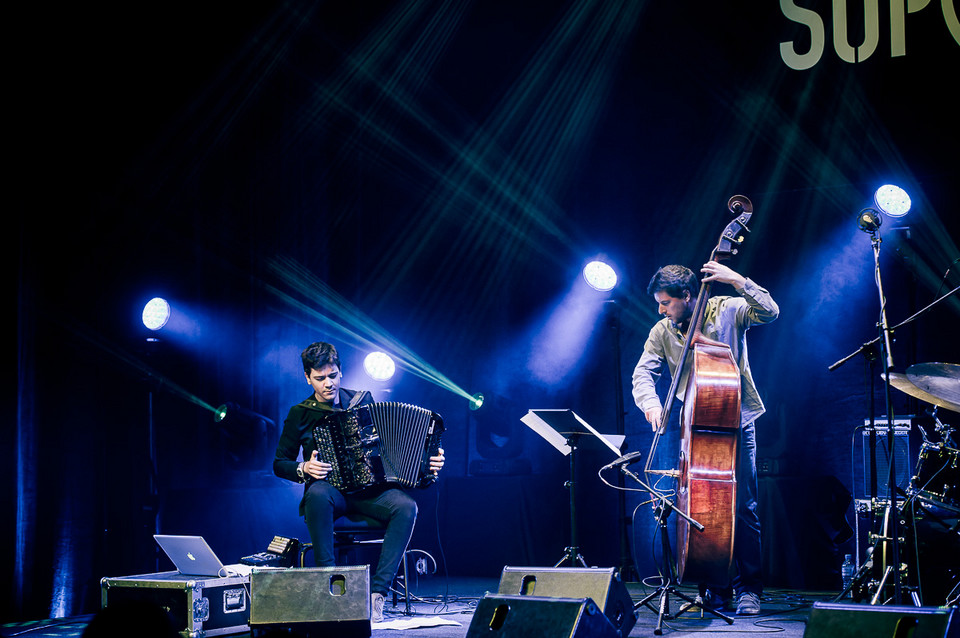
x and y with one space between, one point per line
376 443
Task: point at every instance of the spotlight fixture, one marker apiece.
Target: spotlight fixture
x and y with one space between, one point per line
869 220
476 401
600 276
379 366
156 313
892 200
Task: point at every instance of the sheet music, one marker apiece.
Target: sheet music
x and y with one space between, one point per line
554 424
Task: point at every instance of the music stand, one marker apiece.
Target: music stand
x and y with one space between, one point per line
563 429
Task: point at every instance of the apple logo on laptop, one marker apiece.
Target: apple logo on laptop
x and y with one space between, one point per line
190 556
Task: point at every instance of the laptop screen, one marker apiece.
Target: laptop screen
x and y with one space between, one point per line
191 555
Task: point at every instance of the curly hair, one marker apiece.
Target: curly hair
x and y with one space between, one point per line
674 280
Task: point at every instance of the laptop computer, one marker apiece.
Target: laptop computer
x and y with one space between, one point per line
191 555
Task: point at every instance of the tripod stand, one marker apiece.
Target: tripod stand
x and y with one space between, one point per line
667 585
572 553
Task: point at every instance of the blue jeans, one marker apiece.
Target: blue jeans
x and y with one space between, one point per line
323 504
747 553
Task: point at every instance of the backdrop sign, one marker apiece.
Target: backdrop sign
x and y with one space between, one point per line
796 57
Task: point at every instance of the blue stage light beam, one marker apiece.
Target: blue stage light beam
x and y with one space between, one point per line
350 321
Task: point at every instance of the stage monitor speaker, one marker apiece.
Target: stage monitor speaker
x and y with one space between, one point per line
602 585
312 601
537 617
840 620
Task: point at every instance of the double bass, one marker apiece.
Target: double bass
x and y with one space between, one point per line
710 439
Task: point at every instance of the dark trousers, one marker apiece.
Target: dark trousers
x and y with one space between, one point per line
323 504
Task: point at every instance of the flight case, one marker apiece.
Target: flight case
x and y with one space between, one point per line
199 606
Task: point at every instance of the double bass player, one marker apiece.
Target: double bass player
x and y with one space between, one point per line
726 319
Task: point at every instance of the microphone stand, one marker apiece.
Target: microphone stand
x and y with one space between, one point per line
866 348
667 585
891 443
887 357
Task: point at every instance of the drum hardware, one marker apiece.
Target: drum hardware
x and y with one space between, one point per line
938 384
937 475
930 534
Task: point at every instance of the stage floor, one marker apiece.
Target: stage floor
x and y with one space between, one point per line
454 600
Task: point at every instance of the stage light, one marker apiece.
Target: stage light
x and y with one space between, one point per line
379 366
892 200
600 276
476 401
869 220
156 313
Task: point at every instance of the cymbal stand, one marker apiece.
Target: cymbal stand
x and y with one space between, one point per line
667 584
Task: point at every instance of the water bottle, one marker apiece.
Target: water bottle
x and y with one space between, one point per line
847 570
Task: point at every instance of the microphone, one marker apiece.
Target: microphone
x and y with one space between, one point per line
623 460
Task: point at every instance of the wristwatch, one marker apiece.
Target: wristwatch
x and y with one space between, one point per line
300 470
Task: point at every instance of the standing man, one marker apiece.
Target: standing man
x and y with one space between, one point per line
323 503
726 319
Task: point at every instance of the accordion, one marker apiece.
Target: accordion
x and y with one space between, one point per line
376 443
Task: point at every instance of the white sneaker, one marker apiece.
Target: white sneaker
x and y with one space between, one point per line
376 608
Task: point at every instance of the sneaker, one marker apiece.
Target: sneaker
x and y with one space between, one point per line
376 608
748 604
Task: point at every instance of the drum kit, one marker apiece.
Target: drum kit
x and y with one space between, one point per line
929 511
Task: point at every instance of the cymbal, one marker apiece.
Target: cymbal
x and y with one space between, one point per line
939 379
902 383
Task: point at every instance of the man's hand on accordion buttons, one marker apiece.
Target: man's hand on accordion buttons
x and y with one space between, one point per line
315 468
436 462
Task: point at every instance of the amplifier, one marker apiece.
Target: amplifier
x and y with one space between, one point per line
902 457
880 423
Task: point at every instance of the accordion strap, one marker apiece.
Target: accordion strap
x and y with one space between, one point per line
357 398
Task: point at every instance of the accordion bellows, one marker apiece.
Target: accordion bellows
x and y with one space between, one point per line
386 442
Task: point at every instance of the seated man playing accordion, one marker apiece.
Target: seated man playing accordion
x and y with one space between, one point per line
323 503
